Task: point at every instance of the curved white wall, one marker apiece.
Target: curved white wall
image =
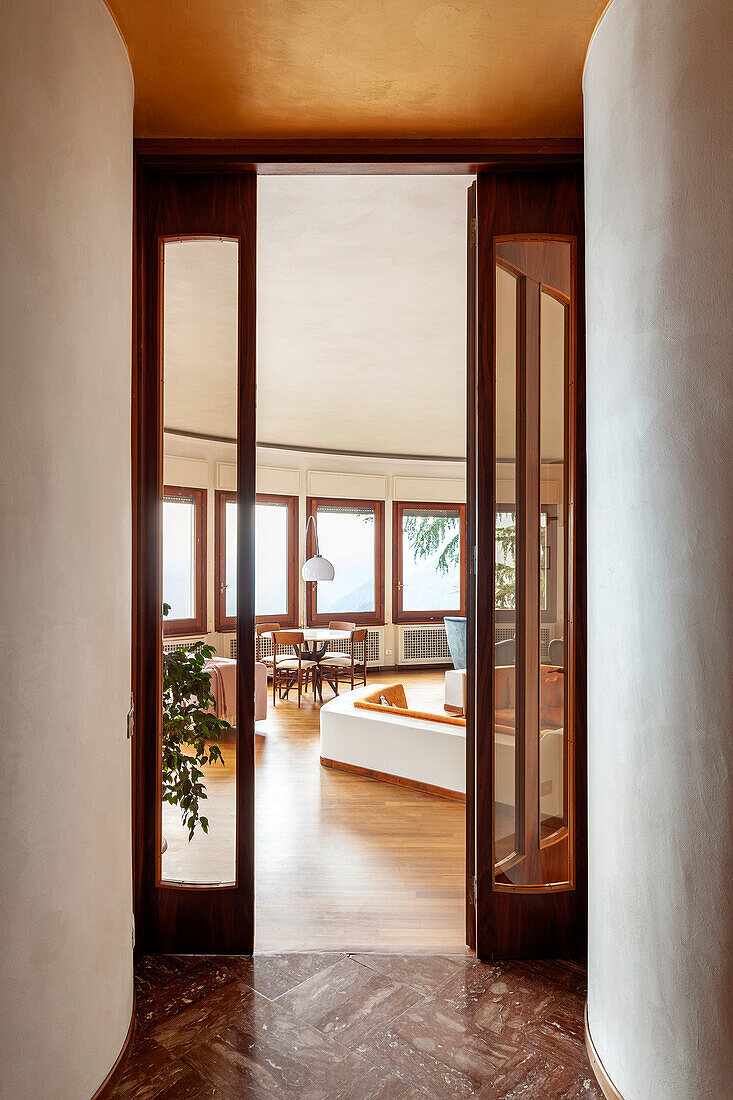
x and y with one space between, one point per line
659 129
65 288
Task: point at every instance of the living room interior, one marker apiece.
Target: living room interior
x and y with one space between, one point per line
368 436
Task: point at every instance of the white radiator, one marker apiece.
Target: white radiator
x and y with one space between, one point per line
423 645
428 644
181 643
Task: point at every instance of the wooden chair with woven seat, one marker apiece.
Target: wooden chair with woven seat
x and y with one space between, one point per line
292 669
347 666
264 628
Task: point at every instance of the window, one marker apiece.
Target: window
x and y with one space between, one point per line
351 536
184 560
505 539
429 555
276 560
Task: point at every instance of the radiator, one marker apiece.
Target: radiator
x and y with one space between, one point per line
423 645
182 643
428 645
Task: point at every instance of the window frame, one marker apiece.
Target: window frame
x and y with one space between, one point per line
360 618
179 628
549 615
433 615
225 623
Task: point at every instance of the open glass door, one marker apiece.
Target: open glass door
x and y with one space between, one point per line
530 736
194 690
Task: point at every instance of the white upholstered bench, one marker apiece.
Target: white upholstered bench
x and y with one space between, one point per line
413 752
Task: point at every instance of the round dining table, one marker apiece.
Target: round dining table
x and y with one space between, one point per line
316 641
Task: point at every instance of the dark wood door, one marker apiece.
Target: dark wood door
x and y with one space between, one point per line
530 738
173 917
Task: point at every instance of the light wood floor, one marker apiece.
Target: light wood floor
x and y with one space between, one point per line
341 863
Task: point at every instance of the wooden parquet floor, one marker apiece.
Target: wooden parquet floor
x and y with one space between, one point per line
346 863
342 863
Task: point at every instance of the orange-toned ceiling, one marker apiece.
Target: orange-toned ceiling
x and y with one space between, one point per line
357 68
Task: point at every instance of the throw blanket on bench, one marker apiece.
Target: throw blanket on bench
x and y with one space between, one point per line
223 674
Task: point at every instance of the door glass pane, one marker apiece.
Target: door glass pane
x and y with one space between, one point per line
200 281
554 336
532 742
179 558
505 567
271 559
230 551
431 560
346 537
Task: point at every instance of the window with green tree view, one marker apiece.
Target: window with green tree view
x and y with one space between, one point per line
428 561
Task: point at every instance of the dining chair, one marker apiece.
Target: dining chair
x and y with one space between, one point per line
264 628
347 666
291 669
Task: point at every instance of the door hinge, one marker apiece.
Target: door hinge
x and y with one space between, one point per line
473 230
472 559
133 931
131 719
472 891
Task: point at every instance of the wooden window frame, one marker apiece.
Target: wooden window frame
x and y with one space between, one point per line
180 628
227 623
360 618
399 507
549 615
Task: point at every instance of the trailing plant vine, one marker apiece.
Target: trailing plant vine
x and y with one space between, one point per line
191 731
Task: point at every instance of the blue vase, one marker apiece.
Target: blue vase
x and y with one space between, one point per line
455 629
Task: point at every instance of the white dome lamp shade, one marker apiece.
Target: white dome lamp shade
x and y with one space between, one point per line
316 568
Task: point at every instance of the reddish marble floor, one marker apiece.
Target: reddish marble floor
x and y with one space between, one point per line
357 1027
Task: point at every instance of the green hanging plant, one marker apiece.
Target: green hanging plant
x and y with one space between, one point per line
190 732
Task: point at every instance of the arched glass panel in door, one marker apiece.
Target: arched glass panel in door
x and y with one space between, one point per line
533 734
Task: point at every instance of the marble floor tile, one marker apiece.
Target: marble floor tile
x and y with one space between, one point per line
532 1077
348 1001
149 1069
274 1051
441 1048
179 988
423 973
362 1027
192 1086
209 1015
357 1079
274 975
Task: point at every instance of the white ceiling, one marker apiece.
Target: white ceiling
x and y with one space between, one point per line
361 317
361 322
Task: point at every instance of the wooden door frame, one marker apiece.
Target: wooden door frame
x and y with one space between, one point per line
170 158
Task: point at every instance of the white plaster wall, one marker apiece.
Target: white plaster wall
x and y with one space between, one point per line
65 554
659 127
